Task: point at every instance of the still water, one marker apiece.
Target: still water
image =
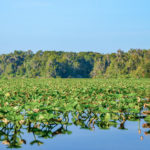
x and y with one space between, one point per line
73 137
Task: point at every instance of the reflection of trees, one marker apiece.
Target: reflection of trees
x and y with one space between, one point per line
11 133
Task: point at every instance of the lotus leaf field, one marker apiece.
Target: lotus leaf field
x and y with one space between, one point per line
39 105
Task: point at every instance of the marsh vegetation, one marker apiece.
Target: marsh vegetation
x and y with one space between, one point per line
48 107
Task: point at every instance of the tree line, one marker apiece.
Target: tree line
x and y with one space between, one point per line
59 64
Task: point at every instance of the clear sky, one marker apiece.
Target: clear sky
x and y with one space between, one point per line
74 25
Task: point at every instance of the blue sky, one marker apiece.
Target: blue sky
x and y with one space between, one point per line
74 25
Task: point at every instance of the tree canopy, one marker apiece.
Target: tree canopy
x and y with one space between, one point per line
59 64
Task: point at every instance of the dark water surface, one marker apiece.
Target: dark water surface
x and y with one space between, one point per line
129 138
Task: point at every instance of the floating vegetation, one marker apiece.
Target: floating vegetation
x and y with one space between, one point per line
46 107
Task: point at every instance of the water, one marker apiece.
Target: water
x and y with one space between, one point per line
75 138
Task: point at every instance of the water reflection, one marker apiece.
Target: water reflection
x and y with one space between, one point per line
12 133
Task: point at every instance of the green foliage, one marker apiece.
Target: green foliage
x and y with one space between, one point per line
46 107
53 64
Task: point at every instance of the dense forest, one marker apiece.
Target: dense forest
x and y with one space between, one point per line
58 64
